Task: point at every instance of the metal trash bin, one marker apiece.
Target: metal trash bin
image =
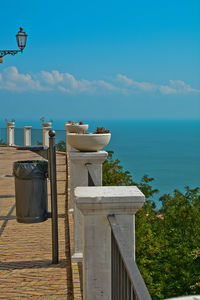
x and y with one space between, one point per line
31 190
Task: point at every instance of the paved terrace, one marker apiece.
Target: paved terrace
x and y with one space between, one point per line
26 271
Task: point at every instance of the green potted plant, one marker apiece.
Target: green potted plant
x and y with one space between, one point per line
10 123
46 123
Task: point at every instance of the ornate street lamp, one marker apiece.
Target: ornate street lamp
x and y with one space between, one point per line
21 37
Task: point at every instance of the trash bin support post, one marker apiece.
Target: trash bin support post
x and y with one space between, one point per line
52 163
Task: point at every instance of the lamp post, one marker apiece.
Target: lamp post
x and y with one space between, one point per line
21 37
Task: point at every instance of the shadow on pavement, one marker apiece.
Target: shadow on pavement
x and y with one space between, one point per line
31 264
6 220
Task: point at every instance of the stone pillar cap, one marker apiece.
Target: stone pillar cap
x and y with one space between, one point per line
122 200
28 127
84 156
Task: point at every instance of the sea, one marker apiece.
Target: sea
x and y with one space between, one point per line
168 151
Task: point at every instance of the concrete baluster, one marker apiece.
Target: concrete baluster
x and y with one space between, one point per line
10 133
27 135
45 135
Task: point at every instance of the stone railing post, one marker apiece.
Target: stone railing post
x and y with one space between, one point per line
96 203
80 163
27 135
68 150
10 133
45 135
68 147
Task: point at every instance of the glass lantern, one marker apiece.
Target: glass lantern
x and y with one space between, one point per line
21 37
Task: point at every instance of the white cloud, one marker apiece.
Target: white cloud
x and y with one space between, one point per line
144 86
177 87
51 78
165 89
106 85
65 82
181 86
12 80
173 87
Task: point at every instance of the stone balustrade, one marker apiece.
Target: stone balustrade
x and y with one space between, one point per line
95 204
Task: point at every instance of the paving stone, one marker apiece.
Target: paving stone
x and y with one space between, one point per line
26 271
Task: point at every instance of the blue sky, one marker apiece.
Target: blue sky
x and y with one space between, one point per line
101 60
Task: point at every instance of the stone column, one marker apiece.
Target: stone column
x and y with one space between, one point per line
69 148
27 135
10 133
96 203
80 162
45 134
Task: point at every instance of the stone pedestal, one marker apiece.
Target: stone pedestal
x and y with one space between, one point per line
27 135
68 147
96 203
80 163
10 134
45 135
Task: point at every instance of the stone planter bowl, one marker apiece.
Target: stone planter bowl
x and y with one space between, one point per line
10 123
90 142
46 124
76 128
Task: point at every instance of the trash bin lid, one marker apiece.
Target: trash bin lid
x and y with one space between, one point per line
29 169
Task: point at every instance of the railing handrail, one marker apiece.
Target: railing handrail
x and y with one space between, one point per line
127 256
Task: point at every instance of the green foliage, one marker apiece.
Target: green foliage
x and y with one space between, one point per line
61 146
168 240
43 120
39 143
113 173
146 188
2 142
167 250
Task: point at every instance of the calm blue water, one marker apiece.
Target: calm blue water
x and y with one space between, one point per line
169 151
